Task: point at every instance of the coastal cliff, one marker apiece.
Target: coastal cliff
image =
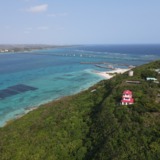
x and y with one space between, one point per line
92 124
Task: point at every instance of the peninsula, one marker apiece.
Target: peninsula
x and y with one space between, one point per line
4 48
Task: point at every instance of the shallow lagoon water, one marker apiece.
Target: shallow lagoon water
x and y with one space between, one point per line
56 73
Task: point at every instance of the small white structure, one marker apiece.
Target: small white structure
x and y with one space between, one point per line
151 79
130 73
158 71
93 90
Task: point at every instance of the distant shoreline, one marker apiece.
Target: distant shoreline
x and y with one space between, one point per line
27 48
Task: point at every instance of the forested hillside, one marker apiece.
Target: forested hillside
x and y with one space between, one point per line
92 125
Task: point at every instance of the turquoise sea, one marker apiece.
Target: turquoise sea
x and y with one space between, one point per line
61 71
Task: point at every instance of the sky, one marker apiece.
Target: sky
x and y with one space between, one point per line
65 22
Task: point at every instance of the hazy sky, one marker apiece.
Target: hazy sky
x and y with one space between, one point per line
80 21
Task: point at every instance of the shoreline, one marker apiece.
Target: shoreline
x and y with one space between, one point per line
106 75
18 48
31 108
111 74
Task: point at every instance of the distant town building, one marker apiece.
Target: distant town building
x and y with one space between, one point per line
127 98
130 73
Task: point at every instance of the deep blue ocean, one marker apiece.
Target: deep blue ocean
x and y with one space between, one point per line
61 71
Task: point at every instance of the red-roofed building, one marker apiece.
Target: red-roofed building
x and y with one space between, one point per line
127 98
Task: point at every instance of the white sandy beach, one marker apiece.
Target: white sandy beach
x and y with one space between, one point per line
108 75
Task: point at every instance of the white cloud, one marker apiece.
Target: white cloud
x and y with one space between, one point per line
52 15
57 14
29 28
7 27
42 28
38 9
27 32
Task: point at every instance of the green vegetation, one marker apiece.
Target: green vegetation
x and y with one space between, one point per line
91 125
